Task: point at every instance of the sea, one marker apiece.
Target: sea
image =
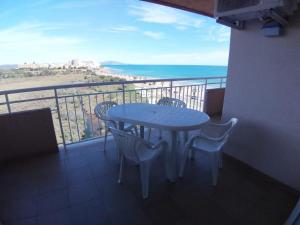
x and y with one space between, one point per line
169 71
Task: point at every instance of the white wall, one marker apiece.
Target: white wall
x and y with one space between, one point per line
263 91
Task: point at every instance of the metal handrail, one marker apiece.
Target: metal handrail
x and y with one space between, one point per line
67 86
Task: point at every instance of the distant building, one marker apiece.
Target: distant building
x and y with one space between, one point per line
73 64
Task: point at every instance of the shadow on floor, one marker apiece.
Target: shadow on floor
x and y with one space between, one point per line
79 187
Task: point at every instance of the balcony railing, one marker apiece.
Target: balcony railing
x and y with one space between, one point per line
73 105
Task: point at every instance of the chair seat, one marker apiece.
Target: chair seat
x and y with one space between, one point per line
146 154
207 145
128 126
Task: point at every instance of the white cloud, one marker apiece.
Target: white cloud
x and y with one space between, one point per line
124 29
24 41
154 35
153 13
219 33
77 4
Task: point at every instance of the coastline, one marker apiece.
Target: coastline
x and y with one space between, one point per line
148 72
105 71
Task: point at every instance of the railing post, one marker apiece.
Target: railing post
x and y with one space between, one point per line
7 103
171 88
123 90
204 94
221 83
59 118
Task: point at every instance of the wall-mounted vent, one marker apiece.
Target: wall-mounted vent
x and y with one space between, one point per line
228 5
234 13
242 7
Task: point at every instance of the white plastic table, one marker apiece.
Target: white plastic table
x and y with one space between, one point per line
166 118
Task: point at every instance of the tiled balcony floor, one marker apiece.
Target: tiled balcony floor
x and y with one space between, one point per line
80 187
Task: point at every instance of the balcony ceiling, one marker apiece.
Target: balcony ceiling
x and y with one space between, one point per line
203 7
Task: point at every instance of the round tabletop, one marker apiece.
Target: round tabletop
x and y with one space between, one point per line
157 116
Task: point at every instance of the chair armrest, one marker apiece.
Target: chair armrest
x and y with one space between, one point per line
220 124
205 136
161 144
190 142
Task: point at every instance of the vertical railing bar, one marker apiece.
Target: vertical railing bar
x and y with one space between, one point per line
141 95
82 110
171 89
117 97
91 115
204 93
146 95
161 91
179 94
198 98
190 97
201 97
156 100
76 119
70 131
7 103
175 94
97 117
59 118
151 96
184 98
123 91
193 95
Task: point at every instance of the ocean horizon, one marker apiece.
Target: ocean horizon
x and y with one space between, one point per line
169 71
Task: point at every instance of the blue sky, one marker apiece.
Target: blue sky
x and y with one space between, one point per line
129 31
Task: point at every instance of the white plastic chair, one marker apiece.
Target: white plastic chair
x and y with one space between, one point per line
101 110
171 102
166 101
211 139
139 151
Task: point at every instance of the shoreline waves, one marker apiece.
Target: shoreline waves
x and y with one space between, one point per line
149 72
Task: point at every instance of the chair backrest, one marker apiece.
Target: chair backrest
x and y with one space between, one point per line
221 131
171 102
101 110
128 144
228 126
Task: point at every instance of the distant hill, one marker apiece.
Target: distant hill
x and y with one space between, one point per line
8 66
111 63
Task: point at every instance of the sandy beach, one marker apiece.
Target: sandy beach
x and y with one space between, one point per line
104 71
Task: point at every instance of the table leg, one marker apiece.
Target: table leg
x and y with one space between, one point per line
142 131
185 137
171 158
121 125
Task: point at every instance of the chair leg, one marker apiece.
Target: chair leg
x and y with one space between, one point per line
160 135
120 180
144 173
136 131
215 167
192 154
105 139
149 134
220 159
184 159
